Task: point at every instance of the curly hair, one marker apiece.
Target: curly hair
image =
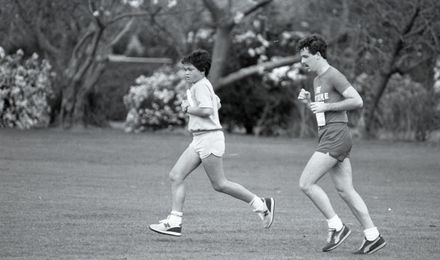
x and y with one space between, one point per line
314 43
199 59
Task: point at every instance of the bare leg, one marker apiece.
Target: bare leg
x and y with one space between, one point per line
187 162
342 177
214 169
317 166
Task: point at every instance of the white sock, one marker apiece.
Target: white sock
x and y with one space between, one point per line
258 204
371 233
175 217
335 223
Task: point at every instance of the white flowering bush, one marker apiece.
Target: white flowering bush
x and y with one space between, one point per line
25 86
154 102
271 95
284 76
254 46
437 81
200 36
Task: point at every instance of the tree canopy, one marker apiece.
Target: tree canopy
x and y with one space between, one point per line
372 42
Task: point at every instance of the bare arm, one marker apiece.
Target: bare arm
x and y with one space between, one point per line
352 100
196 111
200 111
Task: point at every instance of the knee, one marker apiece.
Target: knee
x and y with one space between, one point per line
305 186
219 186
344 192
174 176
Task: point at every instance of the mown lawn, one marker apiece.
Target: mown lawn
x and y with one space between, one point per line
91 195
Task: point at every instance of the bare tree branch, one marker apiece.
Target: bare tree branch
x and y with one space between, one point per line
248 71
379 9
266 66
95 42
143 13
121 33
256 7
42 40
159 27
411 22
434 37
417 31
81 42
214 9
407 69
92 7
126 15
390 67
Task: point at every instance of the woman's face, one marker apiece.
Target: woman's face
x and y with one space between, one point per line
192 74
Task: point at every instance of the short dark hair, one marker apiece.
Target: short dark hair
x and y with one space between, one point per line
314 43
199 59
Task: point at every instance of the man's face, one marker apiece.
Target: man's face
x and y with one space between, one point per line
308 60
192 74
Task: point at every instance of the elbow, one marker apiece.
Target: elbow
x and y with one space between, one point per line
360 104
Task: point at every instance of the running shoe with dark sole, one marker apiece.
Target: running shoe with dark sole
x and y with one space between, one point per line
335 238
369 247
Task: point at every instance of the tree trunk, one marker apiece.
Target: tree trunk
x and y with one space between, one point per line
225 22
81 75
220 53
68 100
78 106
388 70
88 111
252 70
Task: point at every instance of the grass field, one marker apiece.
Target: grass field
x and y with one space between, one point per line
91 195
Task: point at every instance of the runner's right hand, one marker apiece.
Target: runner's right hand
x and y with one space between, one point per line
304 96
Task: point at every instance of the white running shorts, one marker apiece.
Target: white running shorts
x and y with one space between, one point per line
208 143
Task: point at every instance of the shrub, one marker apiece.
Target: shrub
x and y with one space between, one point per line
407 109
115 83
25 86
154 102
262 104
281 110
266 103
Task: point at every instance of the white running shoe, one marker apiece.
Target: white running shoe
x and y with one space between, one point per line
164 227
268 214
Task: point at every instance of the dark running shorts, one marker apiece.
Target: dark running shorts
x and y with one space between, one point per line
335 139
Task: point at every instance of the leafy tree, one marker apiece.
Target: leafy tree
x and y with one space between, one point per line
77 37
403 38
372 41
